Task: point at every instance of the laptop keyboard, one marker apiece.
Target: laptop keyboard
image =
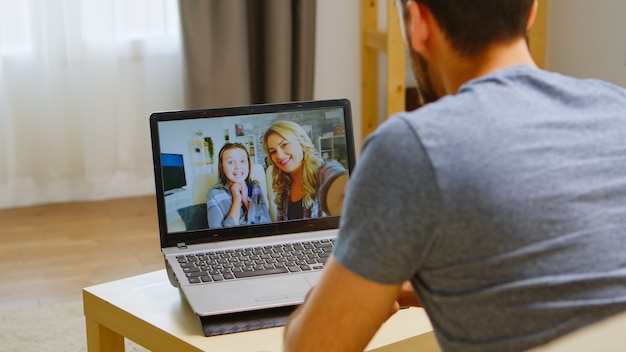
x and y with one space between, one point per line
242 263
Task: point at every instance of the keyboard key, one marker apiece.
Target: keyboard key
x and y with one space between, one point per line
254 273
197 274
323 245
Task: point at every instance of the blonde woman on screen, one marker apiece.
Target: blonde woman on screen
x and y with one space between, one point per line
305 185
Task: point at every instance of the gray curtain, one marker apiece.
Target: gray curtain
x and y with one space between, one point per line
241 52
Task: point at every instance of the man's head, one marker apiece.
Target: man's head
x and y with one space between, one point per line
470 27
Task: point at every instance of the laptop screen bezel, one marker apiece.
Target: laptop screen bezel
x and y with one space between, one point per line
245 231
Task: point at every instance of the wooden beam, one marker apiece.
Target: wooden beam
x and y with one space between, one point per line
396 67
537 35
369 65
375 39
390 43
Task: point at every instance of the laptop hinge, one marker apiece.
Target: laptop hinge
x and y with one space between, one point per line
181 245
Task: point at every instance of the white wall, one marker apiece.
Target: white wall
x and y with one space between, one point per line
338 55
587 39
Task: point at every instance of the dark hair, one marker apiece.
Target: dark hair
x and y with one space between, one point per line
220 170
473 25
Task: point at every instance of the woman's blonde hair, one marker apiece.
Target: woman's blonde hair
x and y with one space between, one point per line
311 162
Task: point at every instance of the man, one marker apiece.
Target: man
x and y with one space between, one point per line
503 203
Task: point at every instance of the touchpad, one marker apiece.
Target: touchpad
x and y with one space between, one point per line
278 289
241 295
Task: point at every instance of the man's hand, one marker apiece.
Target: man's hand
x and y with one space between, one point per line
407 297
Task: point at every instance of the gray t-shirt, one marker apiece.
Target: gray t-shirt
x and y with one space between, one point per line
505 205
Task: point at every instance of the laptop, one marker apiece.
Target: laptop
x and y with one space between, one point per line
253 267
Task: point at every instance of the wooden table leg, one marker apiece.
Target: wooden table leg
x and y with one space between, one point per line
102 339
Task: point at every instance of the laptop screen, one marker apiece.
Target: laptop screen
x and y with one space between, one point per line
259 170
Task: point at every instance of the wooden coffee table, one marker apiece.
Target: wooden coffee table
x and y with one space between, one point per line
149 311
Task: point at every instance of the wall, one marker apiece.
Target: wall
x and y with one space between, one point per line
587 39
338 55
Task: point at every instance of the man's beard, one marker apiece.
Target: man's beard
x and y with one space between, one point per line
426 91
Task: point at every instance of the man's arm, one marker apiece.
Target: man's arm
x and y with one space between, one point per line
342 313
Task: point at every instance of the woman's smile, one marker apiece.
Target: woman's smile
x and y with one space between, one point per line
284 161
285 154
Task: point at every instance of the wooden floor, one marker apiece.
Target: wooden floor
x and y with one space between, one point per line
49 253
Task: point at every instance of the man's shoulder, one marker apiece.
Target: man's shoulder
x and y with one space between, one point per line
442 114
551 85
506 94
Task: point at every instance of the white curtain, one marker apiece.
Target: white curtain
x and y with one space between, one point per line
78 80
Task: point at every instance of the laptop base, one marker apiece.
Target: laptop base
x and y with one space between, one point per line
245 321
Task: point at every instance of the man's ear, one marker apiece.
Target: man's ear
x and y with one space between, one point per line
532 15
417 26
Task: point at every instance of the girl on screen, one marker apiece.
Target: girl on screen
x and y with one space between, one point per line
236 199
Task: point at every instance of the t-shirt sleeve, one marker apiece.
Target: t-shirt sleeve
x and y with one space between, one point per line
390 208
